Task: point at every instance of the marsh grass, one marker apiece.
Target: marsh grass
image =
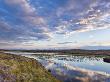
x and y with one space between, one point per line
21 69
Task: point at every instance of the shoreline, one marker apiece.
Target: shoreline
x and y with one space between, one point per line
14 68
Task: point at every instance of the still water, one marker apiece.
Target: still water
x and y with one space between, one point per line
68 68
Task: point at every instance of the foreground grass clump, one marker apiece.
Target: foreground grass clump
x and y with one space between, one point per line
21 69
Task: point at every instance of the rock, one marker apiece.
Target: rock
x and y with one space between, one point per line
106 60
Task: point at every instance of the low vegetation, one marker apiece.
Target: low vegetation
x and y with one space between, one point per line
69 52
21 69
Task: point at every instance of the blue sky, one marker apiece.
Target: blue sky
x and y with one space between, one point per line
43 24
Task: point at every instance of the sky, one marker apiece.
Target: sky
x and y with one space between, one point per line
54 24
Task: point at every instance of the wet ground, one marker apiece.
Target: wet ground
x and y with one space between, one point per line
69 68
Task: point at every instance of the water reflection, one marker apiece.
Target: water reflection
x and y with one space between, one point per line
77 68
70 73
70 68
79 58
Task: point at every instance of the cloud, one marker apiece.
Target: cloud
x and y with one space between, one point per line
27 25
84 16
65 43
30 20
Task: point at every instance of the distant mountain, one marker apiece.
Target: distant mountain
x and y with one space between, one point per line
96 47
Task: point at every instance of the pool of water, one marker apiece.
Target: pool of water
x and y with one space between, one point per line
69 68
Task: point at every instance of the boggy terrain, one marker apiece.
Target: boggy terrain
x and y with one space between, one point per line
69 51
15 68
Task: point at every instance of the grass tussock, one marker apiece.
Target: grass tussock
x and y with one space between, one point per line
21 69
